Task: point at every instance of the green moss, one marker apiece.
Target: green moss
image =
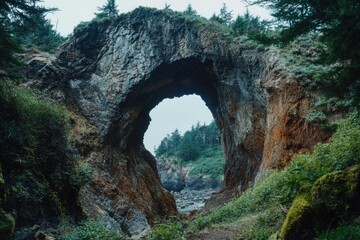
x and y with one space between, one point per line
336 192
7 225
298 215
332 197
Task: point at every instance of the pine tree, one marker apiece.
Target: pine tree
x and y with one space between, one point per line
10 12
338 23
37 31
225 16
190 11
108 10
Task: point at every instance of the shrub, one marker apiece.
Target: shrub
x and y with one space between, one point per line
168 231
93 230
35 156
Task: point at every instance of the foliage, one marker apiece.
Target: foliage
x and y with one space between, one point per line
225 16
168 231
339 27
35 156
248 24
345 231
93 230
10 10
280 188
190 11
37 31
108 10
200 147
209 164
332 197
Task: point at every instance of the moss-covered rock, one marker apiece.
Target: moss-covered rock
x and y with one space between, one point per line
298 216
333 197
7 225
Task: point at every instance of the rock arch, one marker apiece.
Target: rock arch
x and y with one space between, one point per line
114 72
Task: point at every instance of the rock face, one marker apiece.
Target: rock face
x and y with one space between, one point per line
176 177
115 72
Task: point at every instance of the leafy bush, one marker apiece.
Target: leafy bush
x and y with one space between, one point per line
93 230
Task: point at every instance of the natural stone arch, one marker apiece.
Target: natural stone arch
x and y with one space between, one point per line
114 72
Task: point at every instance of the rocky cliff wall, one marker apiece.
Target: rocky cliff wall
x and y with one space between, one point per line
115 71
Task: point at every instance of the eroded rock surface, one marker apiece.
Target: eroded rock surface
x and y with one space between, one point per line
116 71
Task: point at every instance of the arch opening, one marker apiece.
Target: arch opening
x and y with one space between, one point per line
127 157
188 151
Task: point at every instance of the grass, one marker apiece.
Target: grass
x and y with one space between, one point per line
93 230
343 232
36 158
277 190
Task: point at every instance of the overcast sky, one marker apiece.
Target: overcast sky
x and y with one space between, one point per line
180 113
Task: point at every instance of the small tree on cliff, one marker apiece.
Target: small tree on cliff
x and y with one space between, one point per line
190 11
109 9
14 11
225 16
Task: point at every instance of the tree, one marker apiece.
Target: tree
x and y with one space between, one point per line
167 6
109 9
190 11
339 25
225 17
37 32
10 11
248 24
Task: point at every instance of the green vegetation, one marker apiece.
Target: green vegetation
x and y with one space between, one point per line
108 10
37 32
332 197
7 225
23 23
36 159
261 210
337 25
168 231
93 230
225 16
343 232
199 148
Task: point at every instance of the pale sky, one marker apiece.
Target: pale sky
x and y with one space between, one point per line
180 113
72 12
177 113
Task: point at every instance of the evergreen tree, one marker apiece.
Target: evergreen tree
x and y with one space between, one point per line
109 9
190 11
225 16
339 25
38 32
10 11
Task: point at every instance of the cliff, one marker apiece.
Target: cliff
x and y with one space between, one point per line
115 71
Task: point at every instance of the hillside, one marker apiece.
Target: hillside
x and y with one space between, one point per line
193 160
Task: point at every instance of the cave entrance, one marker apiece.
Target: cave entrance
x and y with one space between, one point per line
186 143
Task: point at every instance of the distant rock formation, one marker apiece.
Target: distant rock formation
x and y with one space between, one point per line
175 177
115 71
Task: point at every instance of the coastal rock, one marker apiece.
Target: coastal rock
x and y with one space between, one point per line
114 72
